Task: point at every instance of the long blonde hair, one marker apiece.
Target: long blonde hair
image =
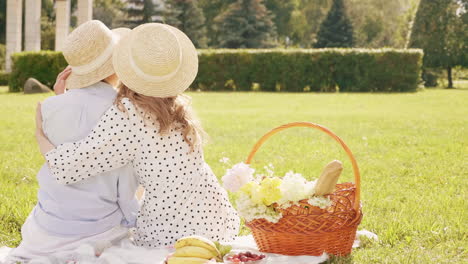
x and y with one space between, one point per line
170 113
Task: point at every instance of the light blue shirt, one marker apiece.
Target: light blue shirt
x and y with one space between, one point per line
99 203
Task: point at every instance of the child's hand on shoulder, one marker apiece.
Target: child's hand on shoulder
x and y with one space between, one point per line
59 86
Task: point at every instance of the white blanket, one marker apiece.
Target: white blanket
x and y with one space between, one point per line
127 253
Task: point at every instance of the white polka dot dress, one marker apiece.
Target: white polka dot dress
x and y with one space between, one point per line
183 196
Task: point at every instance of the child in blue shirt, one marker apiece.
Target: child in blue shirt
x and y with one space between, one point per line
100 208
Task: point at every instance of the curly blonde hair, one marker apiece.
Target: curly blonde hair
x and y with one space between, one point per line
170 113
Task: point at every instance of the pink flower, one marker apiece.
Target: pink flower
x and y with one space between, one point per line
236 177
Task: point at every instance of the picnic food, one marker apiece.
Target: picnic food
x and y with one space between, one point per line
197 249
223 249
329 177
186 260
244 257
197 241
193 251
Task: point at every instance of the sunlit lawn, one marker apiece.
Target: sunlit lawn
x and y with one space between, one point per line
412 150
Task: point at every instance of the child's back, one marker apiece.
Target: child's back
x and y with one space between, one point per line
67 216
92 206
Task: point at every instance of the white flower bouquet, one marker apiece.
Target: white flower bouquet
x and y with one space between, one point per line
259 195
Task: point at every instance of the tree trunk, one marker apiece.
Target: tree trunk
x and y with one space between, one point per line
449 77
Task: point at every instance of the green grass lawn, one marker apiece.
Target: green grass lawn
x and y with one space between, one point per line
411 148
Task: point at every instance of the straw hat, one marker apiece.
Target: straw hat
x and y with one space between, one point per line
156 60
120 32
88 50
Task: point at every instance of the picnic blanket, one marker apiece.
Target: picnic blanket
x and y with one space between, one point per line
127 253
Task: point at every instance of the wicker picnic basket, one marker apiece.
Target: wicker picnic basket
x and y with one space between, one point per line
309 230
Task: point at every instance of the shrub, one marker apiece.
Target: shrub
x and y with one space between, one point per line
2 56
311 70
42 65
346 70
4 78
430 77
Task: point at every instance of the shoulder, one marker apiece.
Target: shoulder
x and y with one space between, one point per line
126 105
121 110
57 103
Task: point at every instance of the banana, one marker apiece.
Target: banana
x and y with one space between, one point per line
182 260
197 241
193 251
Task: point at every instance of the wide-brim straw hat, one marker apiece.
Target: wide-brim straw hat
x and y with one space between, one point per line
156 60
88 50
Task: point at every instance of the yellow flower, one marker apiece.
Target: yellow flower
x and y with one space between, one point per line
252 189
270 190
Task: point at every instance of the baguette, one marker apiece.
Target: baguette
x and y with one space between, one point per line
329 177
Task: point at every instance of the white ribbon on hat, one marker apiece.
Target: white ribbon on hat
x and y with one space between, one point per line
98 62
153 78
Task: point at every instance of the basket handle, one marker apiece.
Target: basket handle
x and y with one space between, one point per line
357 176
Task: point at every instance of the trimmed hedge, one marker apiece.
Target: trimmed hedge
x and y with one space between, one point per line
42 65
2 56
4 76
346 70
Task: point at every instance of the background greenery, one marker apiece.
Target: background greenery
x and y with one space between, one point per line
376 23
43 66
298 70
318 70
411 149
439 27
4 78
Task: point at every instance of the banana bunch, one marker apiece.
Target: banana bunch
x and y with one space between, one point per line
194 250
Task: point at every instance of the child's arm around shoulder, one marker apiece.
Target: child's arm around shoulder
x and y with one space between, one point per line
110 145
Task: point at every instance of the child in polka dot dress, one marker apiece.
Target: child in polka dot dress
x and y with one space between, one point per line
151 127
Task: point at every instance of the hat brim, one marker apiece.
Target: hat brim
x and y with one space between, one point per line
174 86
76 81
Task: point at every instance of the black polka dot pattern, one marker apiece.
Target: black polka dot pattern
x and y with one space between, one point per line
183 196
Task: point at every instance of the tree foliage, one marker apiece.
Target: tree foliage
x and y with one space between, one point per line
381 23
211 9
2 21
282 12
47 25
143 11
440 29
305 21
336 30
110 12
246 24
188 17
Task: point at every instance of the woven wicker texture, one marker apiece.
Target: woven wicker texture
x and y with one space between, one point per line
309 230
